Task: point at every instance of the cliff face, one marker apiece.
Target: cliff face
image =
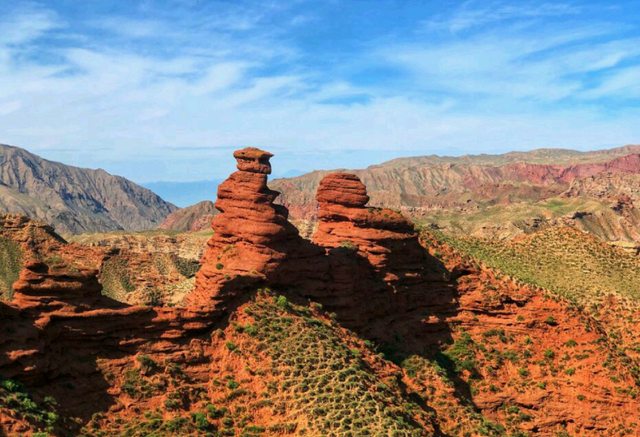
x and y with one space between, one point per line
75 200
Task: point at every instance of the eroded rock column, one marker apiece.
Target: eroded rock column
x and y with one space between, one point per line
249 244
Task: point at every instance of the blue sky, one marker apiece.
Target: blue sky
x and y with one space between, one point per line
165 90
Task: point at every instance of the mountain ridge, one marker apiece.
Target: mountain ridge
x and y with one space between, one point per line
468 187
75 199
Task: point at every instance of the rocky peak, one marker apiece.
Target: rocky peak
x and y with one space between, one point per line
75 200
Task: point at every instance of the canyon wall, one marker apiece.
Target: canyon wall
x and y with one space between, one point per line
368 265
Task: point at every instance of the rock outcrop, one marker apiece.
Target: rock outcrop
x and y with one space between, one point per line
250 240
383 236
362 261
58 324
63 339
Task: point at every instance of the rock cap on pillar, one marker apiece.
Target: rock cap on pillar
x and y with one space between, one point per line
253 160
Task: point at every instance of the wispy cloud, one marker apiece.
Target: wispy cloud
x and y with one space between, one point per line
624 82
476 13
27 23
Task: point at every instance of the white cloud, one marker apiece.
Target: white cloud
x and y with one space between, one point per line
220 77
623 83
9 107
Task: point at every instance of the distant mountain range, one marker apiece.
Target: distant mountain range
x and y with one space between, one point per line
484 195
437 182
75 200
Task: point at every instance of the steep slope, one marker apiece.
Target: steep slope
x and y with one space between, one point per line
193 218
75 200
604 280
562 259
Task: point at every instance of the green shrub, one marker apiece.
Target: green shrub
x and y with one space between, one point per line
147 364
215 412
177 424
200 421
283 303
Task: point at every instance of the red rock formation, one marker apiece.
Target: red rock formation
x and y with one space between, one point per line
376 261
383 236
249 243
360 256
58 317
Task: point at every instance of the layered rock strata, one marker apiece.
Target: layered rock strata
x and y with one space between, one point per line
60 334
384 237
